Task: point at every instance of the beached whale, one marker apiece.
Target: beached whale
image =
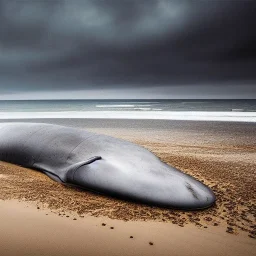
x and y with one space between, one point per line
101 163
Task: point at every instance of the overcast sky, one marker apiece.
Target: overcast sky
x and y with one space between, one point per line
127 49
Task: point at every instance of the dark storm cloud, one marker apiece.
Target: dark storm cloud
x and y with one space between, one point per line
63 44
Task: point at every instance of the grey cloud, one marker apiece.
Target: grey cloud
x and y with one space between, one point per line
95 43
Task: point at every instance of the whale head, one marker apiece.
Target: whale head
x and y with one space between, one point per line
140 176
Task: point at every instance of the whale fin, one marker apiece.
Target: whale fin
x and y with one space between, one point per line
48 170
72 169
64 175
53 176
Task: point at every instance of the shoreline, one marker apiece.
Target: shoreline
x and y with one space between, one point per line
220 116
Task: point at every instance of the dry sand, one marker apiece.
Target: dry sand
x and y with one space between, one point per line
224 159
28 231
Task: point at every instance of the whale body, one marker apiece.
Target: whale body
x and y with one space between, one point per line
101 163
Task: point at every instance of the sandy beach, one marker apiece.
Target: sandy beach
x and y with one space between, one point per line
41 217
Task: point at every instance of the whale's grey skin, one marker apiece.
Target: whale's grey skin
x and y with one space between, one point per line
101 163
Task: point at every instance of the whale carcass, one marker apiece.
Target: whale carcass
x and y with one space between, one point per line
101 163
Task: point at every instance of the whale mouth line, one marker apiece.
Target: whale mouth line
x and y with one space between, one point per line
192 191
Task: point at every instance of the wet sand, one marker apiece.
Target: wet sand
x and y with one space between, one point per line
221 155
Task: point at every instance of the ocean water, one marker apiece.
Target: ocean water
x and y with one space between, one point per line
219 110
127 105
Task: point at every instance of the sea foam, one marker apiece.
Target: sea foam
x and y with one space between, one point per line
230 116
